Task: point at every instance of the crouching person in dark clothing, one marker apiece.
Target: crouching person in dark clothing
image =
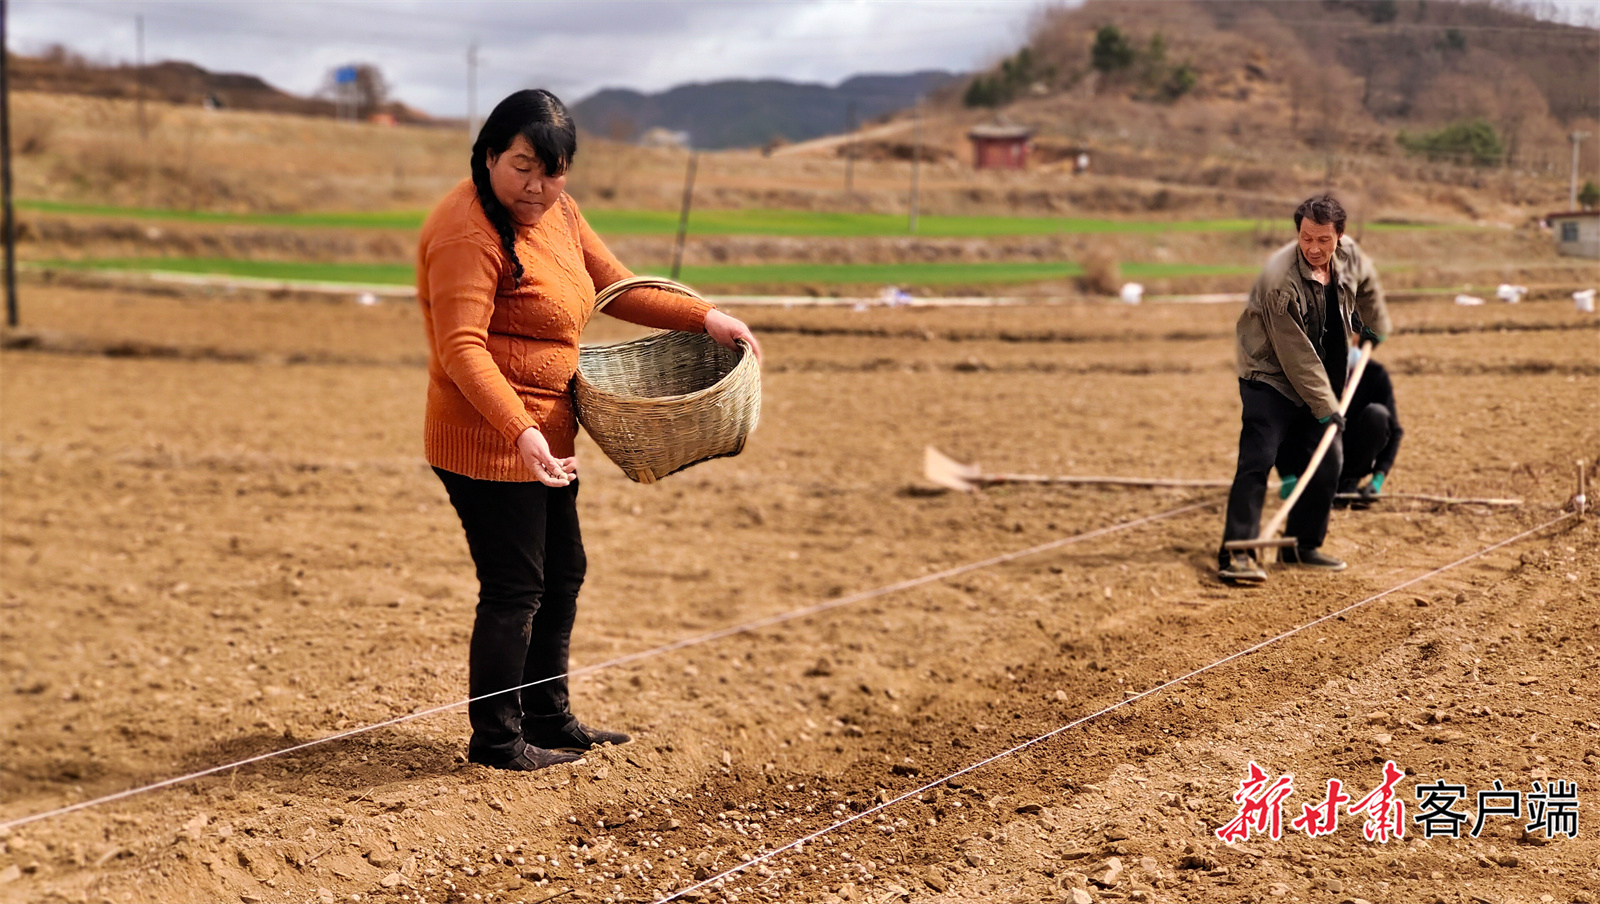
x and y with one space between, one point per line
1371 439
1293 339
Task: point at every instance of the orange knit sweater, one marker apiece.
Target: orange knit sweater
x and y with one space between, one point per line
501 356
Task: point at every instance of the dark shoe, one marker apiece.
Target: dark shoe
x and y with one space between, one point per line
531 758
574 736
1310 558
1242 569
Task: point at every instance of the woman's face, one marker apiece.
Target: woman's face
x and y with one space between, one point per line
520 183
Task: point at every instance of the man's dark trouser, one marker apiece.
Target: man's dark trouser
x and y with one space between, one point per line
1278 432
529 555
1365 436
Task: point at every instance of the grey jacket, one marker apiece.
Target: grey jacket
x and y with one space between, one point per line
1281 327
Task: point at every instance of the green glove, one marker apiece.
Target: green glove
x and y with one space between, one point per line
1287 486
1377 483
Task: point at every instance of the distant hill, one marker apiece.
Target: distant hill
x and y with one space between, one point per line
62 72
743 113
1344 65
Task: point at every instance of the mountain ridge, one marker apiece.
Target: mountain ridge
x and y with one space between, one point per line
749 112
179 82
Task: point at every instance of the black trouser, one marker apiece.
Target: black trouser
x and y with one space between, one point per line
1365 436
528 551
1277 432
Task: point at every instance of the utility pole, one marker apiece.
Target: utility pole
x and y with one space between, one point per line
850 151
1572 194
916 158
138 30
472 92
8 223
683 215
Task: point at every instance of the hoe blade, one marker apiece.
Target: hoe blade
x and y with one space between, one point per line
942 470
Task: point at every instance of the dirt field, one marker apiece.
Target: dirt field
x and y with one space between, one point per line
224 540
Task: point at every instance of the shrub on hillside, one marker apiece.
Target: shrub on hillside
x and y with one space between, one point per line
1590 196
983 91
1153 62
1180 81
1158 79
1469 141
1017 73
1112 49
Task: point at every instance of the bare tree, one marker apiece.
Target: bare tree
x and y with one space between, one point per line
372 89
360 84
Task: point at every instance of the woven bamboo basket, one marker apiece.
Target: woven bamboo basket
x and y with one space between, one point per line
661 403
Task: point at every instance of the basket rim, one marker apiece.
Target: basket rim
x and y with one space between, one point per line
612 292
747 362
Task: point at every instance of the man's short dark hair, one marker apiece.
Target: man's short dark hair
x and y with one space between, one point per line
1322 210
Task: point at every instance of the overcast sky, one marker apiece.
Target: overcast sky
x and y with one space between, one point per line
572 48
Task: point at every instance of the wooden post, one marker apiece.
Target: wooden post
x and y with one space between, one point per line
683 214
138 26
472 93
1581 503
8 225
850 151
1572 193
916 158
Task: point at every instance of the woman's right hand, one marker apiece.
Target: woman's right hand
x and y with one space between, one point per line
535 452
730 331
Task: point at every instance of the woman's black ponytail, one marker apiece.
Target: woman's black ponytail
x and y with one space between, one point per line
540 117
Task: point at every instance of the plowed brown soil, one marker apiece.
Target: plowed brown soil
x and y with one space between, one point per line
220 539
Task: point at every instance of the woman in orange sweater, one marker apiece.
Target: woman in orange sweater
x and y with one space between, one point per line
507 271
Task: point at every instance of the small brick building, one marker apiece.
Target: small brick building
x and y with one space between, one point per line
1000 146
1577 232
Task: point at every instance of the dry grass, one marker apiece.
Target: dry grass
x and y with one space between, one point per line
1102 275
1191 159
85 149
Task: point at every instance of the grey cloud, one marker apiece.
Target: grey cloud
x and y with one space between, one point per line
573 48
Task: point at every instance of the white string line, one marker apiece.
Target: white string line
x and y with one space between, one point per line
629 658
800 842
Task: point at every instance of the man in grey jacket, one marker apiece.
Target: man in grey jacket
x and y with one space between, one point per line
1292 342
